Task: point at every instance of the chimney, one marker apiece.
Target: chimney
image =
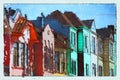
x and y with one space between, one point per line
111 28
42 19
26 16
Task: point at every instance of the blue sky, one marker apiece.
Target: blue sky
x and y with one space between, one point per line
103 14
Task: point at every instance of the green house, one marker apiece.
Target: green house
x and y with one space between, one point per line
83 45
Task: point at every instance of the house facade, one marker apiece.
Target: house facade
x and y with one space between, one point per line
83 45
93 45
108 55
48 51
20 45
100 67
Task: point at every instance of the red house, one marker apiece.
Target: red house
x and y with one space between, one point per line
19 44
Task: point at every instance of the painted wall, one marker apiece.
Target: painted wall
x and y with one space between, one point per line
112 66
93 55
74 50
47 35
38 58
100 63
115 53
18 71
83 52
87 56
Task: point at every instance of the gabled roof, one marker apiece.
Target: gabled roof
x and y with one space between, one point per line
19 25
88 23
60 17
74 19
19 28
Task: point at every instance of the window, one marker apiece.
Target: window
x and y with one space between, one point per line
73 66
57 61
86 42
93 44
19 54
22 50
73 40
111 50
15 54
63 62
100 47
100 71
48 57
87 70
112 72
94 69
27 55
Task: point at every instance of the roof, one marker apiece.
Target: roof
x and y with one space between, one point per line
60 17
105 32
38 22
88 23
60 41
19 25
74 19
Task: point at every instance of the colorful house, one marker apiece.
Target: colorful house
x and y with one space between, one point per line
22 37
83 45
93 45
61 24
108 46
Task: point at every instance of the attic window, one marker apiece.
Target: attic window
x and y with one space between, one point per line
48 32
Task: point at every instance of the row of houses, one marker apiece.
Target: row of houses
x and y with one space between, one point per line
59 44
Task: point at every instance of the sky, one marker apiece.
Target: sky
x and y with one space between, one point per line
103 14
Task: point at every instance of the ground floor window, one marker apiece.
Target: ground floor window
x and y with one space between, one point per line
57 62
63 61
112 72
94 69
100 70
19 54
87 69
73 66
60 60
48 59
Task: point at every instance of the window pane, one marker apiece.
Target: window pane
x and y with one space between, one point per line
87 70
93 44
22 50
15 54
57 61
